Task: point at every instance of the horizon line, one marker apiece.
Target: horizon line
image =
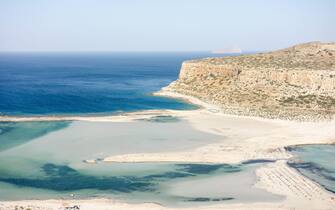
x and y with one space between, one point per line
127 51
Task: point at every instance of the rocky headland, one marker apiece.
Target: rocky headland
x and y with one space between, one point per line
293 83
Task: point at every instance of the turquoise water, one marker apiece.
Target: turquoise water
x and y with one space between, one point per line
316 162
14 134
143 183
50 164
40 160
161 119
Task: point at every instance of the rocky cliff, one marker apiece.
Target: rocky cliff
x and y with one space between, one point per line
293 83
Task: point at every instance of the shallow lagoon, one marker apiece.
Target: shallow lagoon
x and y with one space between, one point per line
168 184
50 164
316 162
14 134
80 141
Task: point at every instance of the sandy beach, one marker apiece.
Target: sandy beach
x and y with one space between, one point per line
243 138
167 105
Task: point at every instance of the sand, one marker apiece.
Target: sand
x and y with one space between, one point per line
104 204
243 138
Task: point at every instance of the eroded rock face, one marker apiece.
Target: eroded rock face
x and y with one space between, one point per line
293 83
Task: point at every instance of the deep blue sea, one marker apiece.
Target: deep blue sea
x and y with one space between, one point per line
87 83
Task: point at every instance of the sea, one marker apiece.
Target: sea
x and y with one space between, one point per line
43 160
88 83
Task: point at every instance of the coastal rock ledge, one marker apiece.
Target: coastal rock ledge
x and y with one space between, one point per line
294 83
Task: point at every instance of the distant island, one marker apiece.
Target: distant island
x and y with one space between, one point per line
227 50
293 83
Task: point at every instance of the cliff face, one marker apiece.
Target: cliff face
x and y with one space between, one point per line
293 83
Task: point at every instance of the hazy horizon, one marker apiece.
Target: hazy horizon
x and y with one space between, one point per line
164 26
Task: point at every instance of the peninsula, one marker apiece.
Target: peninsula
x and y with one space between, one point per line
293 83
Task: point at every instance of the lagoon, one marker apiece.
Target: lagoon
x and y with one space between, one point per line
51 164
315 162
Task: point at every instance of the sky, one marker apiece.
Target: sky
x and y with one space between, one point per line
163 25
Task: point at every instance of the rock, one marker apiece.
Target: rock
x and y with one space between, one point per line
292 83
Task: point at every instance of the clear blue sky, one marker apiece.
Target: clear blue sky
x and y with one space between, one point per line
162 25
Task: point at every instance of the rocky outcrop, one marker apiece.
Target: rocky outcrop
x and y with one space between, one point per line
293 83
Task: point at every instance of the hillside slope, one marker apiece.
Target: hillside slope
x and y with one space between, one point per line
292 83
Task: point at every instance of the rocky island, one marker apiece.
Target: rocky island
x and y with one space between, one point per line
293 83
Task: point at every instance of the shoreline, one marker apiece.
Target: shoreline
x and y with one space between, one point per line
243 138
108 204
125 116
120 116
